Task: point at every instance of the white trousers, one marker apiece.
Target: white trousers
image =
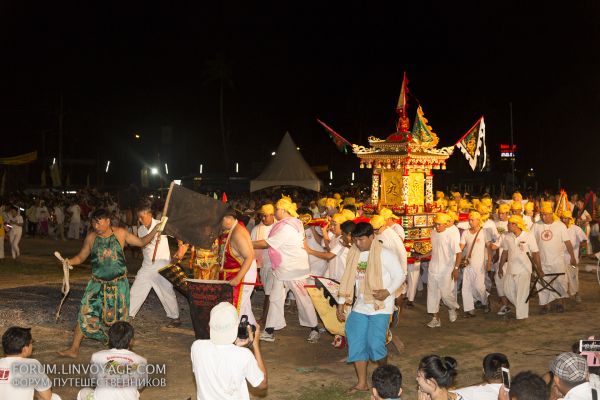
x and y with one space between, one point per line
145 280
560 284
573 279
500 282
15 238
73 230
246 294
306 310
440 286
473 287
412 279
267 278
516 290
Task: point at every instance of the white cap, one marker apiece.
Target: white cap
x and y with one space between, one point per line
224 322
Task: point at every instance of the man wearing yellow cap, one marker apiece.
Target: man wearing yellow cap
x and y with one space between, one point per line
261 232
289 262
552 238
502 229
390 221
473 243
578 239
317 246
517 245
528 214
442 270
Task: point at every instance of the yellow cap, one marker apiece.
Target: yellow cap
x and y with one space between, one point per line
439 195
322 201
331 203
567 214
442 218
452 206
476 203
337 196
285 204
529 206
483 209
463 204
474 215
267 209
349 215
349 201
452 215
339 218
517 196
386 213
516 205
517 219
546 208
455 194
503 208
487 201
377 221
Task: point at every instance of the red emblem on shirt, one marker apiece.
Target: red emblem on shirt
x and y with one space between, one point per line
4 373
546 235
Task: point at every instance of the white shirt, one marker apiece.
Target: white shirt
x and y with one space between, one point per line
392 275
28 368
576 236
75 211
580 392
163 255
261 232
42 213
13 221
221 371
487 391
551 242
317 265
444 247
490 230
518 261
391 240
337 265
399 230
478 254
294 259
108 385
60 215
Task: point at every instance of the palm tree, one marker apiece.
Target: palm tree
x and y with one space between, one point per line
219 70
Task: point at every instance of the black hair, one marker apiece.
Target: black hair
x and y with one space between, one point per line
440 369
304 210
230 212
99 214
492 364
120 335
350 207
363 229
528 386
348 227
14 339
144 205
387 380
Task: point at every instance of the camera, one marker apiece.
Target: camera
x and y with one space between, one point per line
243 328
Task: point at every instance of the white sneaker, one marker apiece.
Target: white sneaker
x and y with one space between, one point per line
452 315
313 336
503 310
434 323
267 337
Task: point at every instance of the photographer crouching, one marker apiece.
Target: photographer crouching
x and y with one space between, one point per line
223 363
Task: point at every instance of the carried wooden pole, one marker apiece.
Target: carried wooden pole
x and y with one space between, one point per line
163 214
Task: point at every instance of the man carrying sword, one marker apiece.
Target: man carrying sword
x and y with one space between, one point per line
106 297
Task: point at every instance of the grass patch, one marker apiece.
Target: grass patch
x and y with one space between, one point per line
498 329
457 348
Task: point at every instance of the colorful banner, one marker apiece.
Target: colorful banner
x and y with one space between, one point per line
421 132
20 159
342 144
472 145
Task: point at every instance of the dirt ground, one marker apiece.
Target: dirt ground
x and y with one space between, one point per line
30 292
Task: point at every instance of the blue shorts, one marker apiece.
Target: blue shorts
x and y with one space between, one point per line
366 336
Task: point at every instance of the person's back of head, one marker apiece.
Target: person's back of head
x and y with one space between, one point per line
120 335
440 369
15 339
492 364
387 382
528 386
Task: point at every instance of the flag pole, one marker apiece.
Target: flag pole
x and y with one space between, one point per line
512 144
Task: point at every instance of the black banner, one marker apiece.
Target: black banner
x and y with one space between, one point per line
203 296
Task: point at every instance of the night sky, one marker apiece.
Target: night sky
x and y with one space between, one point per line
131 68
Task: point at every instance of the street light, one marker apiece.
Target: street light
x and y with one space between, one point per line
273 153
154 170
200 169
137 136
331 175
237 168
166 168
107 165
